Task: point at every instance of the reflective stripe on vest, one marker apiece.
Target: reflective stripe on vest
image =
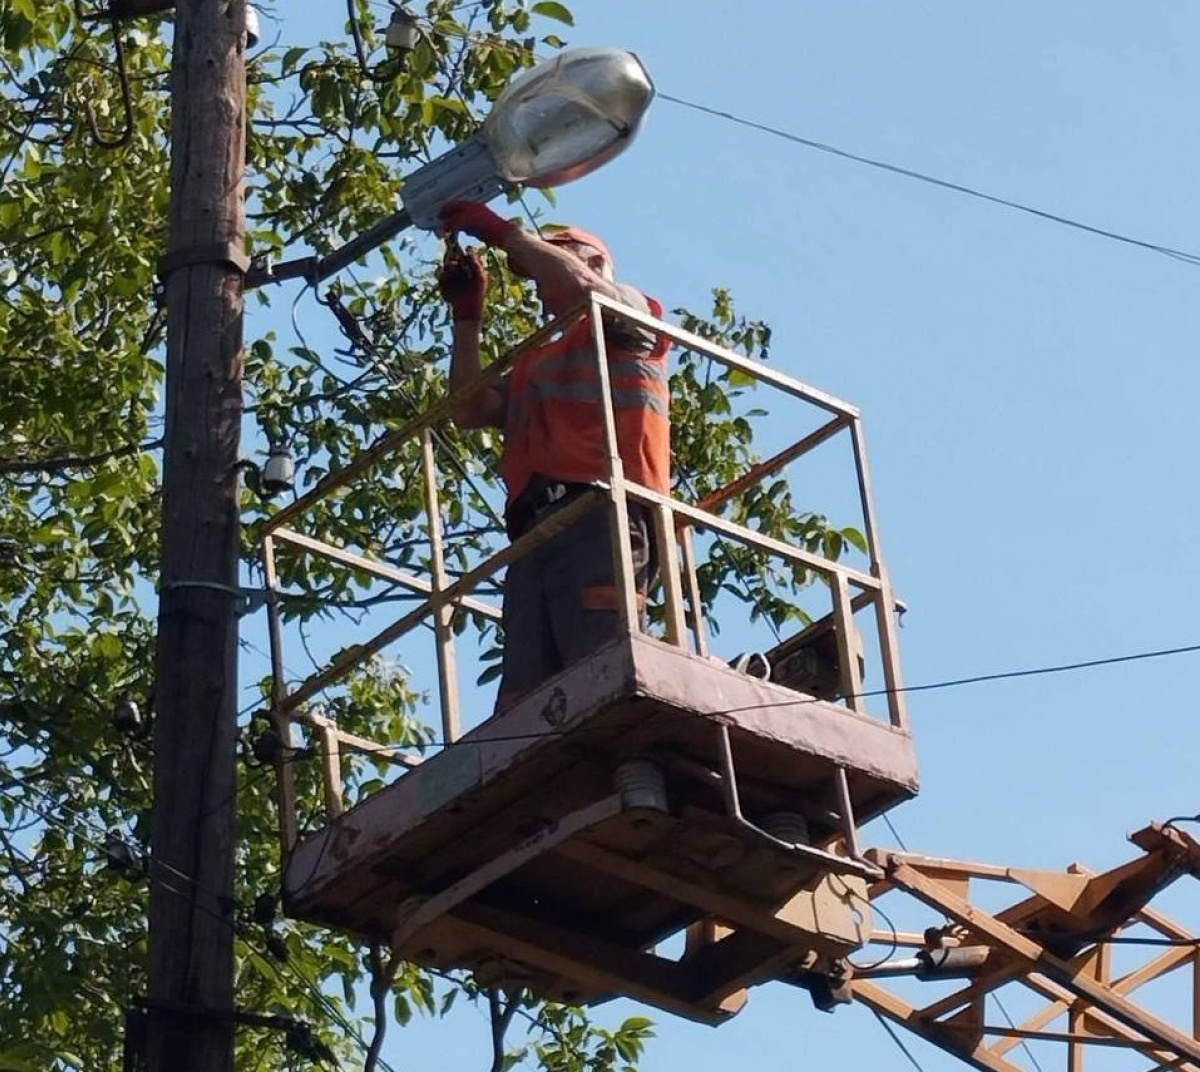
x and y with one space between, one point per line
553 425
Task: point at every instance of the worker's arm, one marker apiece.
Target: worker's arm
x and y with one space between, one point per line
562 278
463 283
485 407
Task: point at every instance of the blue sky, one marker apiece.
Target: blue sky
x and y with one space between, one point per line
1028 391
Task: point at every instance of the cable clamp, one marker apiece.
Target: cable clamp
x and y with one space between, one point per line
249 599
264 269
207 253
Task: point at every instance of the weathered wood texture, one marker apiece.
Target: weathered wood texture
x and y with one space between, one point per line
191 924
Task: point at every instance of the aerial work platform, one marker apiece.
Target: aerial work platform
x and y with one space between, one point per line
531 852
652 821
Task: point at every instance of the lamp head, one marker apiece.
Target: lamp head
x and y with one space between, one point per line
568 116
553 124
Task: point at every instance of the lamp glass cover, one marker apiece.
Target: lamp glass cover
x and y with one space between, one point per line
566 117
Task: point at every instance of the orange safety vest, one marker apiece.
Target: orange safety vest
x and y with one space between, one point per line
553 424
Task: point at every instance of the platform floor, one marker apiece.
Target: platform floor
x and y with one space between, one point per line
511 854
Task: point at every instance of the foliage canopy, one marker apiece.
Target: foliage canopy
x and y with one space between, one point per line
82 225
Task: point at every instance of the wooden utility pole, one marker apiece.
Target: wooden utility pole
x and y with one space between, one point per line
189 1024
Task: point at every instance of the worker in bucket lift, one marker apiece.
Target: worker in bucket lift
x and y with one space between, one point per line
560 601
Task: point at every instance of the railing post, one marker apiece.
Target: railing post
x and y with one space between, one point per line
623 576
885 602
668 571
696 605
889 650
443 615
331 770
843 620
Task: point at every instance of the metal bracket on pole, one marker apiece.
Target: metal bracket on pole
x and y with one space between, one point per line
250 599
467 172
314 269
298 1033
228 253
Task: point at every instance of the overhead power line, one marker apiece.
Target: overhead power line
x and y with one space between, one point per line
933 180
801 700
1060 668
899 1042
1183 255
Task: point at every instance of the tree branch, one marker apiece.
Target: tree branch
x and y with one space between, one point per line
502 1017
58 464
381 983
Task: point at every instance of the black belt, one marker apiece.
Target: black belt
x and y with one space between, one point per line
537 499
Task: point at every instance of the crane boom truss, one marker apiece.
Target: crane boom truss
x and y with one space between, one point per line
1057 944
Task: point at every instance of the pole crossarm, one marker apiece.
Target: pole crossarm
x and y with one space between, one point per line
1056 944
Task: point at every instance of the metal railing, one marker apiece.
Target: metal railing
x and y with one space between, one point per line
675 523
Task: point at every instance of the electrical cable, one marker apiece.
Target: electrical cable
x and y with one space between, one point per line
542 734
324 1003
1089 664
126 132
1011 1023
231 922
895 939
1178 254
999 1003
802 700
1185 256
895 833
449 450
898 1041
1033 672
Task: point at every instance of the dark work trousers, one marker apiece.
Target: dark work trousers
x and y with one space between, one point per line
560 602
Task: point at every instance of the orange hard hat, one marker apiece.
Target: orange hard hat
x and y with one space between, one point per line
578 236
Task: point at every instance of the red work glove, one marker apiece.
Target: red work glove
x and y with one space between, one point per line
463 282
477 220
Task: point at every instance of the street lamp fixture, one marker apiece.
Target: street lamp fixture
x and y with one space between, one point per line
553 124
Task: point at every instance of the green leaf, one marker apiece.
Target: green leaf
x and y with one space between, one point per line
552 10
490 674
853 536
19 1059
291 58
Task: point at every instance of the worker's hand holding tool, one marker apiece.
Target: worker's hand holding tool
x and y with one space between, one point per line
463 282
477 220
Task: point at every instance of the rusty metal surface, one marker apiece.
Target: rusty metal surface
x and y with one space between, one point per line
1056 946
636 694
446 798
474 858
768 712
